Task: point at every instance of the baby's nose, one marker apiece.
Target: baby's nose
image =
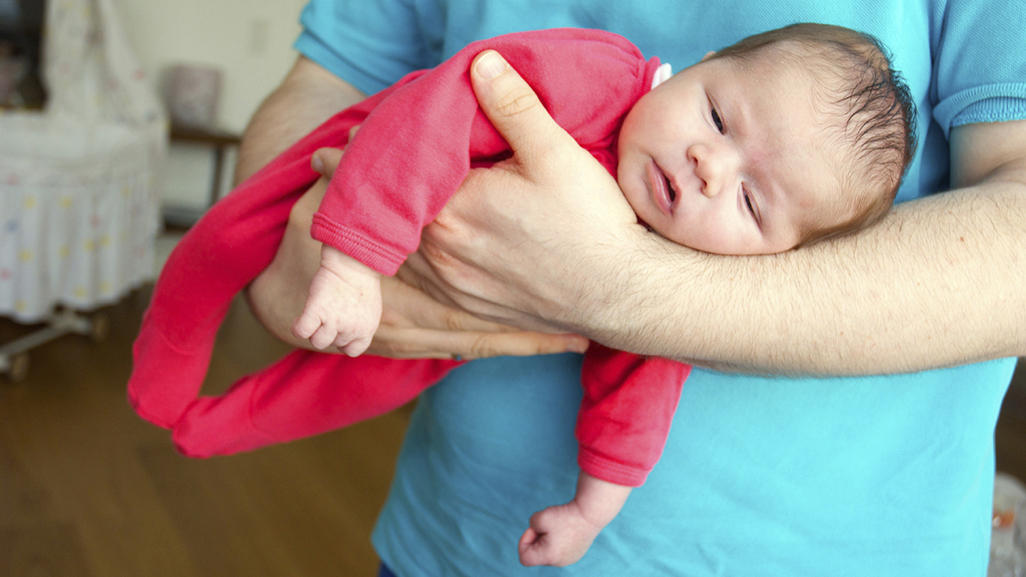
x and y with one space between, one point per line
714 166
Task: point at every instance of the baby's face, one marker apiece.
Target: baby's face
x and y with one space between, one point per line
731 159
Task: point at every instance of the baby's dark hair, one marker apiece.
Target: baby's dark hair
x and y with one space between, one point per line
860 86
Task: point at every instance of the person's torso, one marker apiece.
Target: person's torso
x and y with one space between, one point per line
865 476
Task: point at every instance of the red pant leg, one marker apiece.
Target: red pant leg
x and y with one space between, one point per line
302 395
234 241
628 406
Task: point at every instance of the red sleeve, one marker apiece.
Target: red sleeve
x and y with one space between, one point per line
412 151
625 415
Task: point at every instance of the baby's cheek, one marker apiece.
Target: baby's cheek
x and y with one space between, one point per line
707 235
683 233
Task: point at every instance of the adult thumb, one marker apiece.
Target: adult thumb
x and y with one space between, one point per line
513 107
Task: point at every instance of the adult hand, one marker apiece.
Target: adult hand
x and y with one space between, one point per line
523 242
414 325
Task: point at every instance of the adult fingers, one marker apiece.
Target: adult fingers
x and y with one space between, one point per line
415 325
325 161
430 270
407 342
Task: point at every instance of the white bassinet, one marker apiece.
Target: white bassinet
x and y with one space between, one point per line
79 213
79 209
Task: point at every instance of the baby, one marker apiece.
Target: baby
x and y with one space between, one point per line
775 142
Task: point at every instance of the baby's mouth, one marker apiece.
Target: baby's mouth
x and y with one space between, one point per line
661 189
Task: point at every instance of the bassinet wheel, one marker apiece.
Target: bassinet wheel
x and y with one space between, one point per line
18 367
99 327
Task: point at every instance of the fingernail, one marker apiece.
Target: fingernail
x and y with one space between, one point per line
490 65
317 164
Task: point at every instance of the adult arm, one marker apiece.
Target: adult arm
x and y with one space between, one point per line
413 325
307 96
937 283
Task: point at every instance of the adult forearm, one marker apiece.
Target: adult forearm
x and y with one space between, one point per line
939 282
308 96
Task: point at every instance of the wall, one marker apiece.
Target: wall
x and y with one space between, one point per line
249 40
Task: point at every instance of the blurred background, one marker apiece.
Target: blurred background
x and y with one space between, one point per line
119 121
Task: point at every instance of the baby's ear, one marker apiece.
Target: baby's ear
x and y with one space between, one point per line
708 55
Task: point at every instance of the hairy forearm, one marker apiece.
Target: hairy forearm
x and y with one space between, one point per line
938 283
308 96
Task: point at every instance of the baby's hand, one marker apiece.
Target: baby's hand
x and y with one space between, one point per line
344 306
559 536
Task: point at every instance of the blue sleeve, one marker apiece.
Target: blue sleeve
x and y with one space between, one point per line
980 71
371 45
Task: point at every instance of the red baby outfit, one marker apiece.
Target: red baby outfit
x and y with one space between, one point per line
410 157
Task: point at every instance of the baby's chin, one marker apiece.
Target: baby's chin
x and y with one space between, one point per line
673 236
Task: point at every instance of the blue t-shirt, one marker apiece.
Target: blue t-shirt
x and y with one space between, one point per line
875 476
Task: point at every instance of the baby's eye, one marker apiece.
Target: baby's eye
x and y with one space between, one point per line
717 120
748 203
750 206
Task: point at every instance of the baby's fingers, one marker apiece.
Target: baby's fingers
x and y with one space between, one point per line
306 325
539 553
527 539
531 548
355 347
323 337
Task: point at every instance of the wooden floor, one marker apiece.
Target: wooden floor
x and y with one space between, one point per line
88 489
